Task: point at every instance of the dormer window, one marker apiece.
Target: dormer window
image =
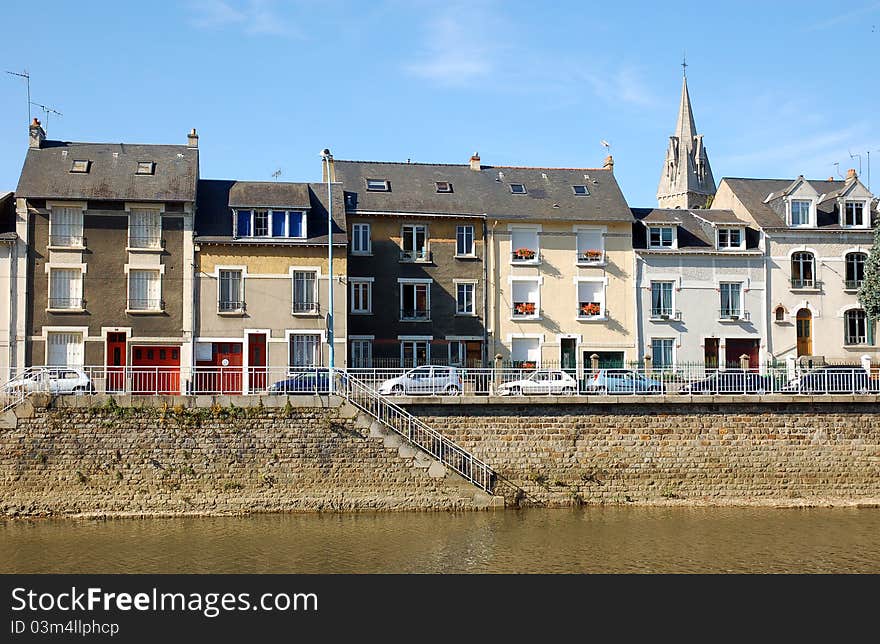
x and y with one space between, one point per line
379 185
443 186
279 224
661 237
145 167
517 188
581 191
854 214
80 166
730 239
800 212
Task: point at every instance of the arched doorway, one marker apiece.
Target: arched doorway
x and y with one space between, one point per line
804 333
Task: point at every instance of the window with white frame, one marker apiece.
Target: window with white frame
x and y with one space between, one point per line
305 293
590 246
415 301
378 185
854 214
731 300
361 354
800 212
464 298
231 291
270 223
662 352
661 237
524 244
526 298
64 349
855 270
361 243
661 299
414 242
144 290
414 353
65 289
464 241
361 295
305 350
144 228
66 227
525 352
855 327
730 238
591 299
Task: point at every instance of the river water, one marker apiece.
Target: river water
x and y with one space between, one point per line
588 540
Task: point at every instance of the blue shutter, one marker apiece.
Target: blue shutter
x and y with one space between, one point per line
278 217
296 224
244 223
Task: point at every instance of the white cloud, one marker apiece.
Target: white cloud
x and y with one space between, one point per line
623 85
253 17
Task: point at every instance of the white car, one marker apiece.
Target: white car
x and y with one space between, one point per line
543 381
53 380
424 380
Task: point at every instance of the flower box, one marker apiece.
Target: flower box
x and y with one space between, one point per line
590 309
592 255
524 254
524 308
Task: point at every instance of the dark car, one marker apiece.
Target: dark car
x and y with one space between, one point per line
833 380
308 382
732 381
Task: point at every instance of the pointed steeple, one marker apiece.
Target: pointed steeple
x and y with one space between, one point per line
686 181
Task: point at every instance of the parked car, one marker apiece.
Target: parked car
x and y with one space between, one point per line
622 381
833 379
543 381
308 382
54 380
424 380
730 381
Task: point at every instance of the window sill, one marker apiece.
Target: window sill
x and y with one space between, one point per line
361 254
414 320
469 256
145 311
138 249
526 262
465 315
850 290
74 248
669 319
524 318
232 314
662 248
592 318
813 289
51 310
415 261
600 264
858 346
362 313
307 314
739 320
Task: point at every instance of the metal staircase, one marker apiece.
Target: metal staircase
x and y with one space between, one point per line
418 433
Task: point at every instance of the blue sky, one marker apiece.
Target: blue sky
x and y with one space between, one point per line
779 88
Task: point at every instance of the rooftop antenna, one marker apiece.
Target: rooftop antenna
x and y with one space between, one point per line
836 165
605 144
27 78
276 174
47 110
859 156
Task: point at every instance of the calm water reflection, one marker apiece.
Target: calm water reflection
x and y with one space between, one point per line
582 541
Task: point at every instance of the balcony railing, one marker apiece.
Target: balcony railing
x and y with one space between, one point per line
592 256
524 309
800 282
231 307
67 241
733 314
415 315
855 339
588 310
146 305
306 307
524 255
67 303
151 242
853 285
420 255
665 314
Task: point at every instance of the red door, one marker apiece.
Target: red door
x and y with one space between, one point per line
227 360
257 361
155 370
115 362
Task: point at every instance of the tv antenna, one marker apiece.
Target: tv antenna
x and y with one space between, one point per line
47 111
27 78
276 174
836 165
859 157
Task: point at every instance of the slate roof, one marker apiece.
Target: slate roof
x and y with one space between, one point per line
46 172
263 194
754 192
695 232
549 193
213 222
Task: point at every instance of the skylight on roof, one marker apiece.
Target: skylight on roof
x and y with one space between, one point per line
581 190
379 185
517 188
443 186
145 167
80 166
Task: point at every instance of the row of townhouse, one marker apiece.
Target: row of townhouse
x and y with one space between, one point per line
121 255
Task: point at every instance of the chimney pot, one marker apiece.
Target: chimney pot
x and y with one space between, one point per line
609 163
36 134
851 174
192 139
475 162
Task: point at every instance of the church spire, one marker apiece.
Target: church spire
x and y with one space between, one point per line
686 181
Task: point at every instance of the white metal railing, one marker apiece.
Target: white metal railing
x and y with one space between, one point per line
13 395
418 433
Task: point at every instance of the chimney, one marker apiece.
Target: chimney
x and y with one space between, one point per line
609 163
192 139
851 175
37 134
330 166
475 162
830 179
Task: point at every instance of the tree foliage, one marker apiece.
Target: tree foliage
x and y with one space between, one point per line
869 293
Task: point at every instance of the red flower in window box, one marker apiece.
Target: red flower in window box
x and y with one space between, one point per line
592 255
525 308
524 253
590 309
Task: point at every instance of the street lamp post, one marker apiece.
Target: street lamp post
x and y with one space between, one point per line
331 380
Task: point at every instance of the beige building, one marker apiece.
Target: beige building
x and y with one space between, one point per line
262 294
9 249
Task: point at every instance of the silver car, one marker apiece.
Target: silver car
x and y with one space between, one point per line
543 381
424 380
53 380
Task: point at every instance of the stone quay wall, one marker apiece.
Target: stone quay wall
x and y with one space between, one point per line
650 452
